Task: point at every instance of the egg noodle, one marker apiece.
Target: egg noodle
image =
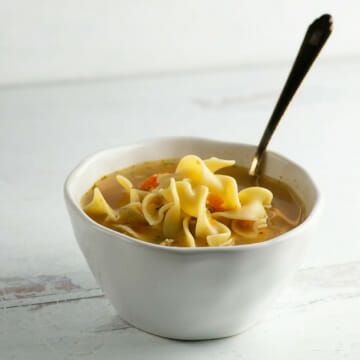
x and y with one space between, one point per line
194 202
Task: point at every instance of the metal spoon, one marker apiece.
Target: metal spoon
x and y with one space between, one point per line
315 38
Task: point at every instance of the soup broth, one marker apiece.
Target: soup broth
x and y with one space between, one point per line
286 212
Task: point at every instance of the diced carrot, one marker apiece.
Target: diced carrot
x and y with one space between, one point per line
215 202
213 222
151 182
245 223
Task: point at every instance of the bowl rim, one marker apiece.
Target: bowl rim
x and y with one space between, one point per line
177 249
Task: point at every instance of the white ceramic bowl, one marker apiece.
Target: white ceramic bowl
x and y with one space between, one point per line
188 293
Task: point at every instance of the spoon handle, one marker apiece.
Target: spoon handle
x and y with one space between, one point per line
315 38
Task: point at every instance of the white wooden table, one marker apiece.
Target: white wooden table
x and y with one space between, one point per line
50 305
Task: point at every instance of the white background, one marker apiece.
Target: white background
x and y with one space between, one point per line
73 39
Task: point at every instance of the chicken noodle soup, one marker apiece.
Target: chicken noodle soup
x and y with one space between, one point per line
193 202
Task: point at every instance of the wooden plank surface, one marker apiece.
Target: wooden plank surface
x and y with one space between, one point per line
61 320
308 286
50 305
